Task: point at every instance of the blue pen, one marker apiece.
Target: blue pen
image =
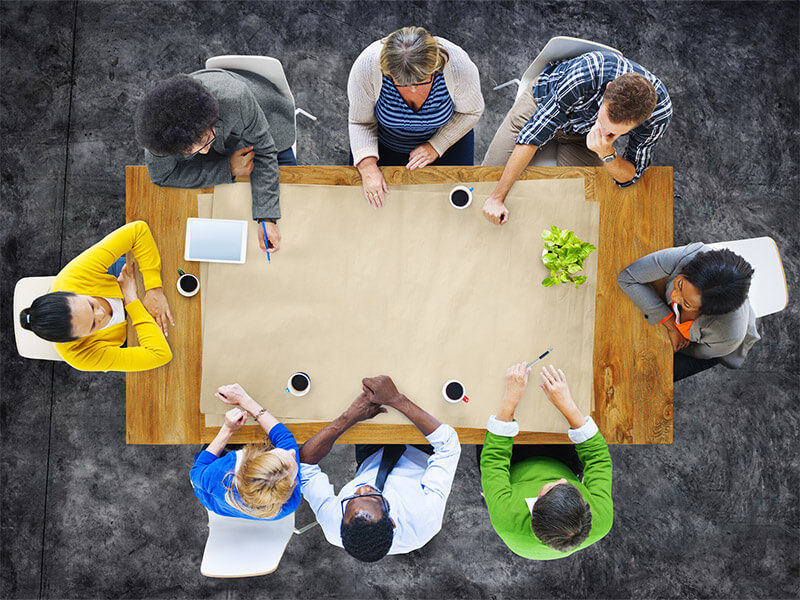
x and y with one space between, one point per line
266 241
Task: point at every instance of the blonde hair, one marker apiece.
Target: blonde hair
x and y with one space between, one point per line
263 481
411 55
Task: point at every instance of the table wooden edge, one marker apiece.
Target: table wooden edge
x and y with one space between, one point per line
366 433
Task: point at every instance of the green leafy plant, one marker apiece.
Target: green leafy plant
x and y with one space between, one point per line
564 255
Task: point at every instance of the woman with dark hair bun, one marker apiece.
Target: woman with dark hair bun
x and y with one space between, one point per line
704 307
86 312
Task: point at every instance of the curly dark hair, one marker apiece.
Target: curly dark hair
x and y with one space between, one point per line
561 518
723 278
49 317
175 115
365 539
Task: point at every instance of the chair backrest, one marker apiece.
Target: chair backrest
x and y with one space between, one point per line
768 291
558 48
244 547
269 68
29 344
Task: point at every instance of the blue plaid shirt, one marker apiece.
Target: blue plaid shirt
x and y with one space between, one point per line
569 94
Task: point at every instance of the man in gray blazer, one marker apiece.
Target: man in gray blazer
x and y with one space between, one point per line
209 127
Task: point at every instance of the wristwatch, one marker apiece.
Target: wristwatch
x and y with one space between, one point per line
610 157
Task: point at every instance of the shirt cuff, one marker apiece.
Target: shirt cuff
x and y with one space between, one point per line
502 428
583 433
267 219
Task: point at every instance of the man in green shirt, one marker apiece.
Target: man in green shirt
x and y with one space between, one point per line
539 506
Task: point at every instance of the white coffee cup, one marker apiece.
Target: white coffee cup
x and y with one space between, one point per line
454 391
188 285
459 201
299 384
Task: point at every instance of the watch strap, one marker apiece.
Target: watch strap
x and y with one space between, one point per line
610 157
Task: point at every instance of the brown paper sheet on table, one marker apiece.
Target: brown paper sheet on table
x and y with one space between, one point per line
416 290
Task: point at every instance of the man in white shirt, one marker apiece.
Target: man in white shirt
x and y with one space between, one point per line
396 503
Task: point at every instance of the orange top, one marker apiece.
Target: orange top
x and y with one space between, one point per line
682 327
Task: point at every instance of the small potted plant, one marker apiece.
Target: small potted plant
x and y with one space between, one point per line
563 255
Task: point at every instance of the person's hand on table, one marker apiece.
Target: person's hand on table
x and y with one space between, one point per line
127 282
235 418
675 336
372 180
363 408
242 162
421 156
554 384
382 389
495 210
273 235
516 381
234 394
156 304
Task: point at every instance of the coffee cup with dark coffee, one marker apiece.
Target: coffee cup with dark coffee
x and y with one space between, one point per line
188 285
454 392
299 384
461 197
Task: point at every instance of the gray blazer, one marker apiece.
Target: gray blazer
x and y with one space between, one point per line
244 102
728 337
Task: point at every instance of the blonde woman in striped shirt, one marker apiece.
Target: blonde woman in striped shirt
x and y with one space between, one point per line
414 99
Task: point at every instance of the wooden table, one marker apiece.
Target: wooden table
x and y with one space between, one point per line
632 360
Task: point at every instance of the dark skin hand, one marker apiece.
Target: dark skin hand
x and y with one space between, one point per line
320 444
385 392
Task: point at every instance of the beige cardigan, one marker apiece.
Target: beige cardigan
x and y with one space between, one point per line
364 86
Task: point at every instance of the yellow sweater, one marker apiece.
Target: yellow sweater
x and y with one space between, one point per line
88 274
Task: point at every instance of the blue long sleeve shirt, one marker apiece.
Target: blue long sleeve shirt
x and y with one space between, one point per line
210 474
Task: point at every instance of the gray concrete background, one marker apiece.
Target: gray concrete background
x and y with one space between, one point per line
715 515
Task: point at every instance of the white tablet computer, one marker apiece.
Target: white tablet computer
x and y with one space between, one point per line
216 240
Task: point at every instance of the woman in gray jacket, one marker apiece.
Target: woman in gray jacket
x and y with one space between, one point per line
704 307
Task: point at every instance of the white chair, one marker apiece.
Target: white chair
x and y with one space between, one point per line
768 291
267 67
558 48
244 547
30 345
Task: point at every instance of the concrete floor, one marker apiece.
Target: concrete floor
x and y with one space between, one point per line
715 515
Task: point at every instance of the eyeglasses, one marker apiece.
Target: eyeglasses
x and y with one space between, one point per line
374 494
415 84
206 145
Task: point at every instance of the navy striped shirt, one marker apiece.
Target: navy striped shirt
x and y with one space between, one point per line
569 94
403 129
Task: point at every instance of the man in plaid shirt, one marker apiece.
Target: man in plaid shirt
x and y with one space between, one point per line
583 105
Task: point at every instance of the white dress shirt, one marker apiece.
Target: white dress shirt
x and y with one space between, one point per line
416 489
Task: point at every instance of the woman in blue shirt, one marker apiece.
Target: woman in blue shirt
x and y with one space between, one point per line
258 482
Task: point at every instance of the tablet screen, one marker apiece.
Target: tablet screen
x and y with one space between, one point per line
216 240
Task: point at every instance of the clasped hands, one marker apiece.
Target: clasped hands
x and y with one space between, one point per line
154 301
377 393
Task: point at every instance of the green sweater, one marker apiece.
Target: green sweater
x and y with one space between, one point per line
506 489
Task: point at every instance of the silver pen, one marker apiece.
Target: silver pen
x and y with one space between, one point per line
541 356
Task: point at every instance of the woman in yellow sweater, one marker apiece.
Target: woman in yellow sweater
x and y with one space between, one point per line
85 311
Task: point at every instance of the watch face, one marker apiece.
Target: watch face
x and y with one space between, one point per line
610 157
